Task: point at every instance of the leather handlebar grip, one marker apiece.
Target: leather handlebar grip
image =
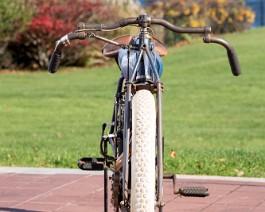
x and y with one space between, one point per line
54 62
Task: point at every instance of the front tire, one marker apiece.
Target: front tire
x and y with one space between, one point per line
143 152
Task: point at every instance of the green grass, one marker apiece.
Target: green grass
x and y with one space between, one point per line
213 121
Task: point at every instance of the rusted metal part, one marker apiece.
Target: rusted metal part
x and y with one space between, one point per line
115 186
174 178
151 87
118 163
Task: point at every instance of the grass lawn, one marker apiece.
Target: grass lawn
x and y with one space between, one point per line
213 121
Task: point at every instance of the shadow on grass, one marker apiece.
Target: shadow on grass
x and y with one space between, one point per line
16 210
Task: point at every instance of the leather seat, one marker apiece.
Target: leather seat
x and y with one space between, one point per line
110 50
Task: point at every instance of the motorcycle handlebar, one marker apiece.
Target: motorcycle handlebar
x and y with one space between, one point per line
141 21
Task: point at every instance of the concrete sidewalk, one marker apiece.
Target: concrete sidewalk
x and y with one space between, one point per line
34 190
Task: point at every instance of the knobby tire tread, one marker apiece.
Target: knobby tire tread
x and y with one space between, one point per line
143 152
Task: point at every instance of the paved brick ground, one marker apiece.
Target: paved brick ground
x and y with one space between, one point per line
35 190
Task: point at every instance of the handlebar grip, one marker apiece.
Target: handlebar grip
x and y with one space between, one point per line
231 54
234 63
54 62
56 55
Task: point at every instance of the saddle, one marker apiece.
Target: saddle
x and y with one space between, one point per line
112 51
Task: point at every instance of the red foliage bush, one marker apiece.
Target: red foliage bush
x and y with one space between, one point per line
53 19
13 16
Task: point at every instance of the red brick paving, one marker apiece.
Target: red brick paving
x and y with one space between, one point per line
23 192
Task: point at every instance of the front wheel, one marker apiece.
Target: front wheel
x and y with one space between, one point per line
143 152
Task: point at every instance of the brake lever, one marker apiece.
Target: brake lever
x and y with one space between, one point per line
231 54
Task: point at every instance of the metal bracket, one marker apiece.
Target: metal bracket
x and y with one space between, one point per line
151 87
174 178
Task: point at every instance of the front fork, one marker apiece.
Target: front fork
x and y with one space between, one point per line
127 130
126 145
160 148
130 88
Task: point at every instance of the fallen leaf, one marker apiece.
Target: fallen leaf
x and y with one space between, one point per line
58 135
220 160
240 174
173 154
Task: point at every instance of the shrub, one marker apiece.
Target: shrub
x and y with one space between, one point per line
181 13
227 15
13 16
53 19
222 15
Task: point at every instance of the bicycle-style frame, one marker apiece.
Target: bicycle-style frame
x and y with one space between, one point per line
135 78
133 84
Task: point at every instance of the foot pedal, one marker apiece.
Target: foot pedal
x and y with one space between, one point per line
194 191
191 191
91 164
